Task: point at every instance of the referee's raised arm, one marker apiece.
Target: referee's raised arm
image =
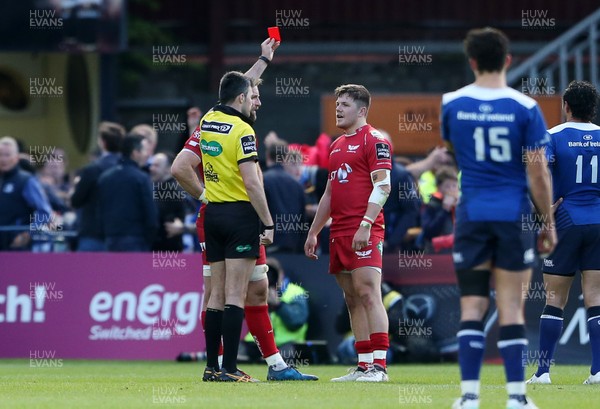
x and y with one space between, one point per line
267 50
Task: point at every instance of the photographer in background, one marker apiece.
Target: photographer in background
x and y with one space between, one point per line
288 307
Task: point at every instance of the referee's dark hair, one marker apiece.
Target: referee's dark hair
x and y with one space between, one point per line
111 134
132 142
488 47
582 98
233 84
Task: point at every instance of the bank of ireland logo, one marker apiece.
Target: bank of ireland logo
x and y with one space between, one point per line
342 173
212 148
380 247
486 108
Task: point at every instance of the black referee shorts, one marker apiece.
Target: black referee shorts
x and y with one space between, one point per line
232 231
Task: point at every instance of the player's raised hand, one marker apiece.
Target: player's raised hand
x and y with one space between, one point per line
268 47
310 247
438 156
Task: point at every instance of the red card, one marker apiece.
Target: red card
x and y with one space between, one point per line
274 33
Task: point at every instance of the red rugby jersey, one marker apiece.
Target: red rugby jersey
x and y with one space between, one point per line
352 159
193 145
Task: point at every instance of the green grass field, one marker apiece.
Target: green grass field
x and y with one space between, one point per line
118 384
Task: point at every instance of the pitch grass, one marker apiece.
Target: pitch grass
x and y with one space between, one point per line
118 384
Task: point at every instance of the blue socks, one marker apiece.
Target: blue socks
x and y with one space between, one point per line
551 326
512 344
593 324
471 346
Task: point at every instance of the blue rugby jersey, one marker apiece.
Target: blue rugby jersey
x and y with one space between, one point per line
491 130
573 155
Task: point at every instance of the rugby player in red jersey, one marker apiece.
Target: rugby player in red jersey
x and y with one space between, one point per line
187 169
359 184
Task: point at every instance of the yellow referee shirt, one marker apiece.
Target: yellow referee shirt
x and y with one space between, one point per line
226 140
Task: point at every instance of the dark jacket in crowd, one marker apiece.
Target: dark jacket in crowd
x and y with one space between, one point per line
285 197
170 201
22 203
435 220
85 196
126 205
401 210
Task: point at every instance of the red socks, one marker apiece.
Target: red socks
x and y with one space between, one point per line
380 343
259 324
365 354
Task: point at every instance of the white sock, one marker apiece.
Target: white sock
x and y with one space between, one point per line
220 360
366 358
470 387
276 361
516 388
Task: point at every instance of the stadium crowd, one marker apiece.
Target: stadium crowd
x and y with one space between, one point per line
126 199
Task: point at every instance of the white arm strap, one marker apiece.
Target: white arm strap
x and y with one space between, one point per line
378 195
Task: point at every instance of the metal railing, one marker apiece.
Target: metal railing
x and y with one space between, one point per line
43 240
565 58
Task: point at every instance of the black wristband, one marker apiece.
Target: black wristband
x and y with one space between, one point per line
265 59
270 227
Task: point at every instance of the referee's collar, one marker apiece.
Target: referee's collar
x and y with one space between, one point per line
231 111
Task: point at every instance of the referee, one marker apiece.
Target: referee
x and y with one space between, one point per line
236 207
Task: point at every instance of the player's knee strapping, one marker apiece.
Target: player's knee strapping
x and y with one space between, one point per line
474 282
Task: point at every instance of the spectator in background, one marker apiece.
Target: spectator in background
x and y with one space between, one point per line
24 157
150 134
55 170
194 114
437 218
55 180
170 201
128 214
85 194
21 199
401 210
285 198
313 174
424 170
288 307
193 119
